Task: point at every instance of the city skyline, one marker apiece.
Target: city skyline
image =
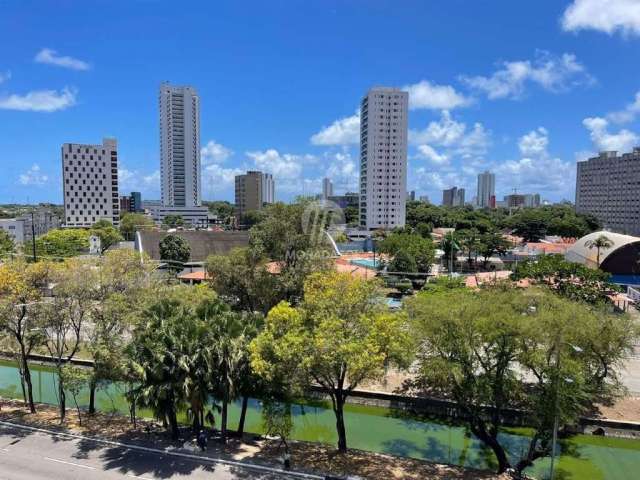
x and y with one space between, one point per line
467 93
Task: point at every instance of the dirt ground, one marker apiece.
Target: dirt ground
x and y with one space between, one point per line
305 456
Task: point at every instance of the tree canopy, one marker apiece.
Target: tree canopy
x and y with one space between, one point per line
131 222
339 336
107 233
63 242
175 249
503 348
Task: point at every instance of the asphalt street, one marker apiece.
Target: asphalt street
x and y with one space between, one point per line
27 455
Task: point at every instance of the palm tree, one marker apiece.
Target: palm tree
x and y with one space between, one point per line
602 242
228 338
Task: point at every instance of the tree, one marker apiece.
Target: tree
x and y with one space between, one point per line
175 250
124 279
531 224
403 262
414 248
243 280
294 237
107 234
173 221
75 379
499 348
20 318
59 243
130 223
450 245
568 279
351 215
339 336
66 314
277 421
470 241
157 351
222 209
492 243
602 242
6 244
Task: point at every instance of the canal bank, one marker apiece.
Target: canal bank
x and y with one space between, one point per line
384 430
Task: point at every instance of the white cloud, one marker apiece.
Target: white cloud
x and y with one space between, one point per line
453 136
5 76
537 171
534 143
344 131
607 16
436 97
629 113
623 141
551 72
134 180
51 57
33 176
343 171
40 100
429 153
214 152
282 166
216 178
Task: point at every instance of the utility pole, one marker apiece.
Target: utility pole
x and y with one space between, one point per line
33 237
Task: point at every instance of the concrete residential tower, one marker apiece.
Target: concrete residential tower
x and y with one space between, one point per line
486 189
90 183
327 188
383 158
180 146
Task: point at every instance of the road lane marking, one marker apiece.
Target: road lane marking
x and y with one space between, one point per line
136 476
4 450
70 463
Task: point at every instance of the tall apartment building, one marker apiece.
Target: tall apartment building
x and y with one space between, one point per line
608 187
249 192
486 189
90 183
453 197
327 188
180 146
268 188
383 158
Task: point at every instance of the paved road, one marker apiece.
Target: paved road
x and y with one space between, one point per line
26 455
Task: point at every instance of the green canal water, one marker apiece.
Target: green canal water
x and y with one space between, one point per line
387 431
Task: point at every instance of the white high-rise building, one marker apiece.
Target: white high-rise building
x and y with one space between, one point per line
268 188
90 183
486 189
327 188
383 158
180 146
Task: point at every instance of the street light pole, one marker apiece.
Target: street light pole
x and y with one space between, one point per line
556 420
33 237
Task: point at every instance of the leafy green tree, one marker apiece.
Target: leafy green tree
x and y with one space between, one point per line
6 244
450 245
492 243
602 242
340 336
66 314
421 250
252 217
482 348
293 237
222 209
175 250
351 215
243 280
75 379
568 279
173 221
470 240
277 421
403 262
132 222
67 242
107 234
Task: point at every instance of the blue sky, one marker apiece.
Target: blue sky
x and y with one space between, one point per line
521 88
